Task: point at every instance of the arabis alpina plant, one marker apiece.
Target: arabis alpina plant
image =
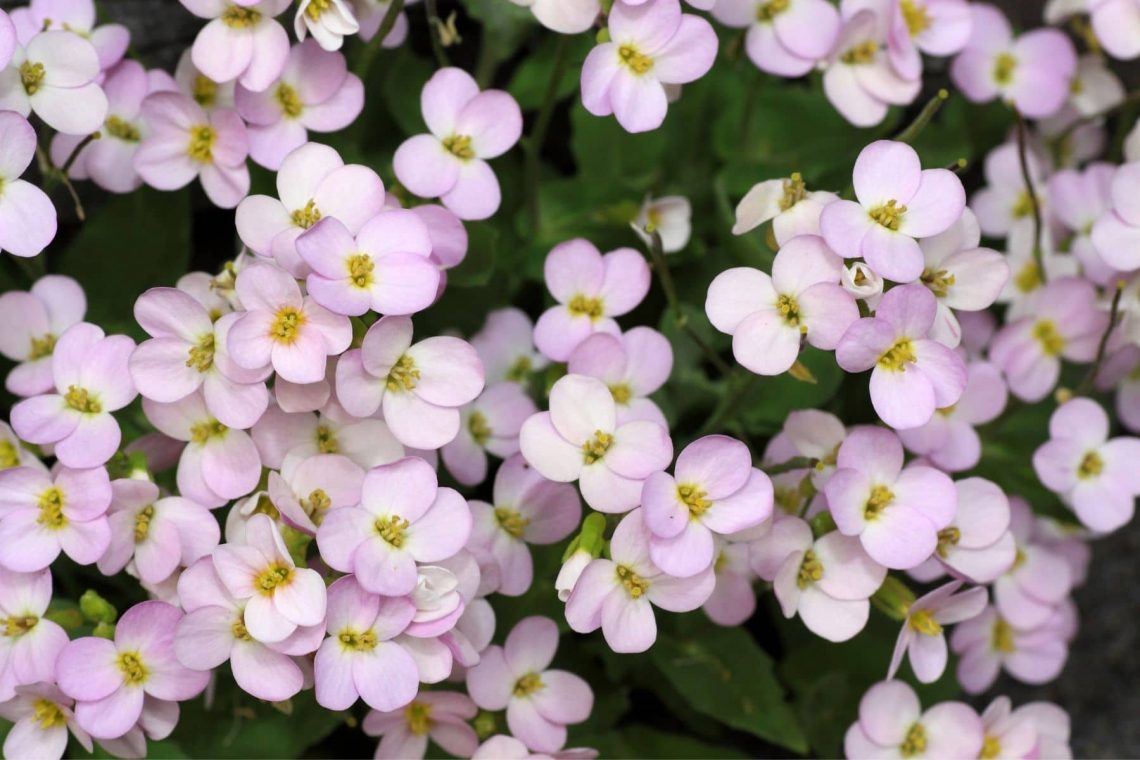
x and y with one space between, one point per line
891 721
859 79
1111 20
921 638
988 643
489 425
33 321
243 40
441 716
670 217
467 127
42 718
580 439
30 643
786 38
787 203
1115 233
29 219
53 75
78 17
564 16
633 365
307 488
505 345
45 514
329 21
977 545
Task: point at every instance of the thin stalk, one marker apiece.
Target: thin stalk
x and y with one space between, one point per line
795 463
738 387
750 99
924 116
1089 381
364 63
78 149
534 141
436 25
1034 202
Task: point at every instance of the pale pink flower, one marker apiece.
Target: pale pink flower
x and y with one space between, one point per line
1003 204
921 638
579 439
242 41
157 534
109 679
370 14
89 370
77 16
618 594
670 217
785 39
54 75
404 517
787 203
526 509
27 216
892 723
33 736
329 21
733 599
307 488
896 513
314 92
769 317
219 463
817 435
652 45
1039 581
7 38
187 142
988 643
1116 233
13 452
827 581
505 345
367 442
488 425
30 643
714 491
419 387
466 129
898 201
564 16
279 596
205 91
385 268
633 365
1113 21
1013 733
441 716
214 631
33 322
1080 200
540 701
1053 729
977 545
591 289
859 79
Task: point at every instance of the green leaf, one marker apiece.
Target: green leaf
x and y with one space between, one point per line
479 264
532 78
725 675
606 153
404 79
642 741
128 244
765 406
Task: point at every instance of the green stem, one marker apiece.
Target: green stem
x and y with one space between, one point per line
364 63
1089 381
924 116
534 141
738 387
436 33
795 463
1023 160
750 99
78 149
893 598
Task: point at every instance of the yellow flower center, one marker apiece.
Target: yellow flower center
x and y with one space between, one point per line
239 631
788 499
1024 205
633 583
31 76
201 356
142 523
122 129
18 625
290 102
880 497
478 427
132 667
991 747
938 282
354 641
1052 343
51 514
694 498
596 448
923 622
811 570
459 146
1029 278
915 741
360 266
308 216
511 521
326 440
392 529
403 375
201 146
9 456
1091 466
527 685
634 60
520 370
316 8
889 214
287 325
202 432
915 15
239 17
418 716
47 714
42 346
861 54
1002 636
898 356
581 306
204 90
948 537
794 190
1004 66
789 309
622 393
317 505
765 12
81 401
271 577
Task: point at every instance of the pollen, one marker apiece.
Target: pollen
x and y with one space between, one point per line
511 521
788 499
404 375
9 456
290 102
478 427
201 146
360 266
122 129
528 684
811 570
695 498
794 190
265 507
239 17
392 529
789 309
1052 342
51 514
923 622
18 625
201 356
354 641
326 440
948 537
32 76
860 54
81 401
308 216
634 60
582 306
634 584
520 370
317 505
622 393
1004 66
132 667
1029 278
459 146
316 8
991 747
1001 638
880 498
42 346
47 714
204 91
596 448
765 12
418 717
898 356
271 577
1091 466
889 214
915 742
203 432
287 325
938 282
1024 205
239 631
915 15
142 523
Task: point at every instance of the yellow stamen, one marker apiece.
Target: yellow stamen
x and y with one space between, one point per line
1091 466
765 12
898 356
459 146
391 529
403 375
694 498
1052 342
132 667
308 216
204 90
82 401
1004 66
915 741
289 100
142 523
47 714
861 54
511 521
948 537
634 584
122 129
1002 636
923 622
889 214
326 440
636 61
354 641
811 570
418 716
202 432
18 625
31 76
42 346
201 146
915 15
478 427
938 282
622 393
596 448
360 266
239 17
201 356
881 496
581 306
316 8
51 514
527 685
287 325
271 577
